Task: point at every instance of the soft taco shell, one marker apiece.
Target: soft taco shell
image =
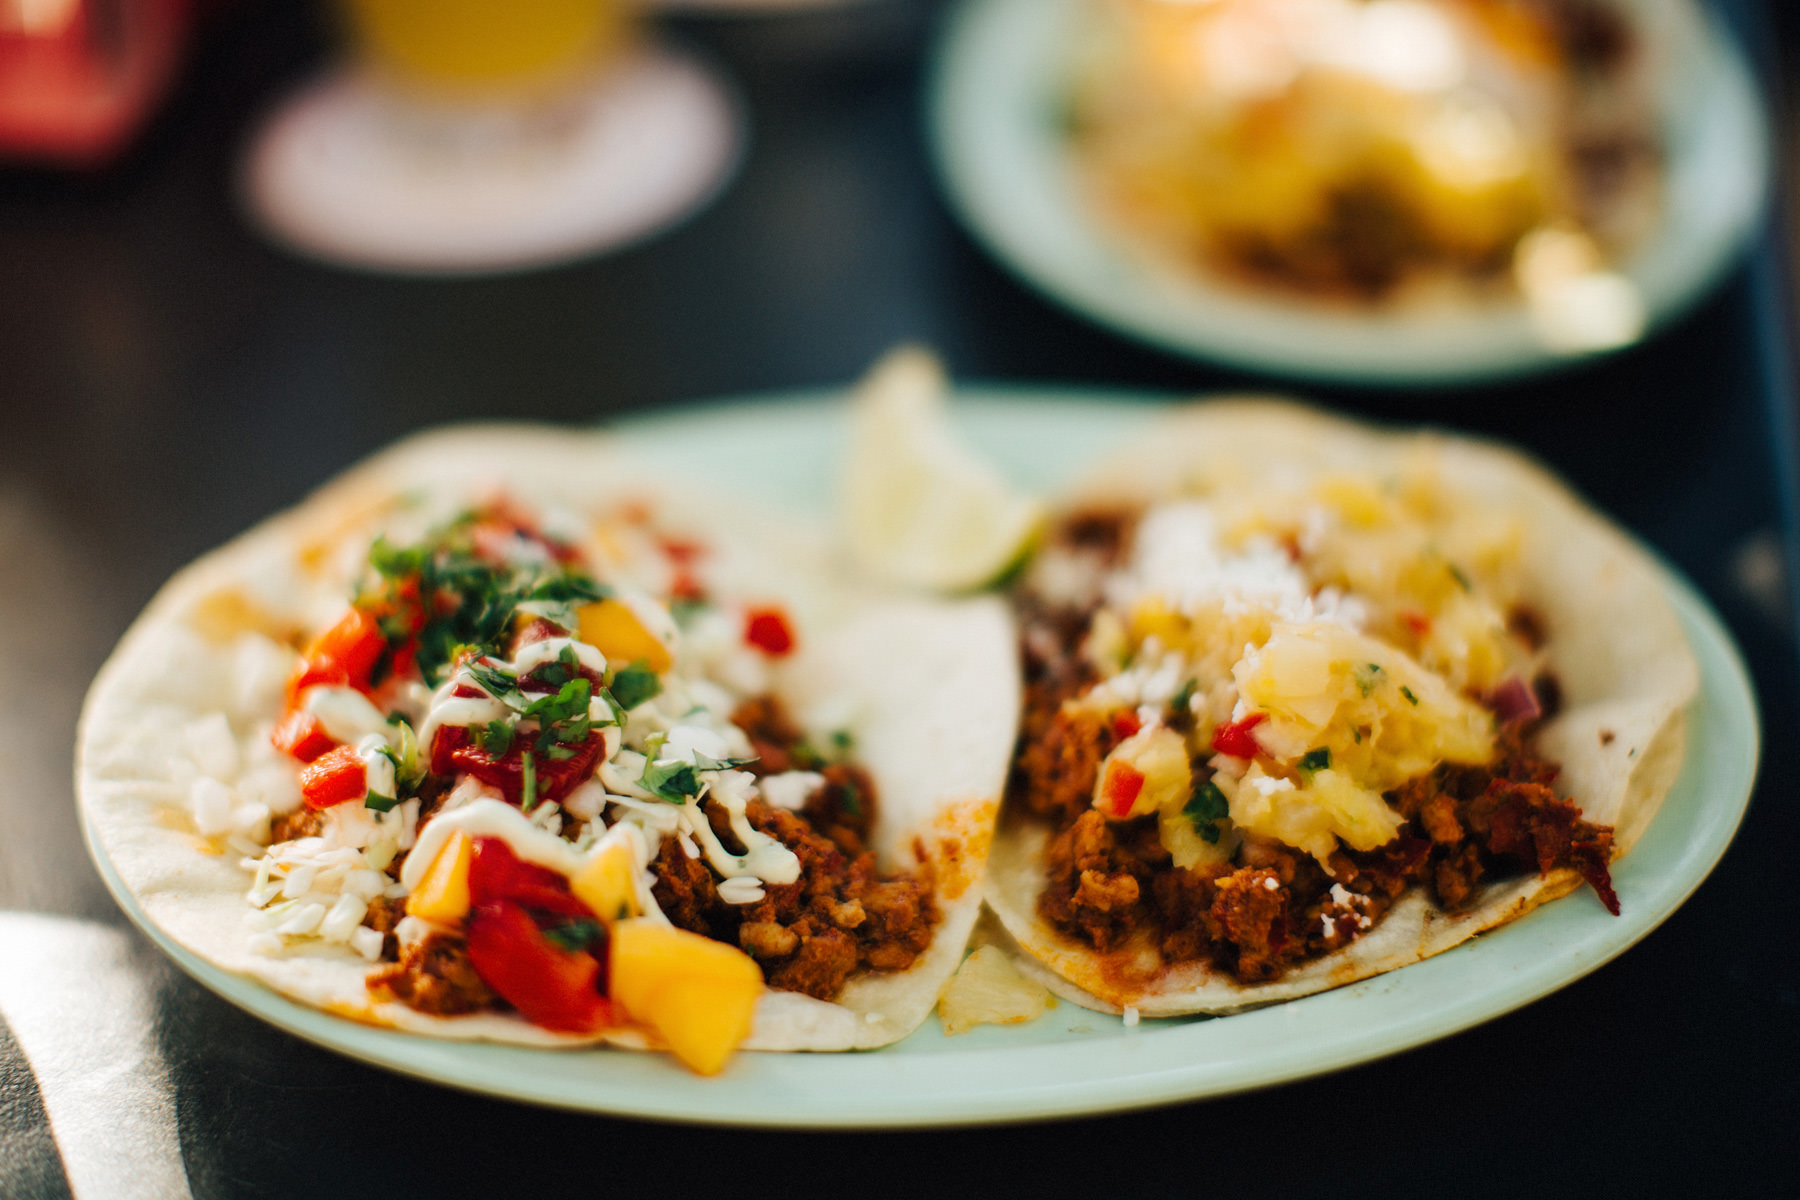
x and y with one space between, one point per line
933 687
1615 645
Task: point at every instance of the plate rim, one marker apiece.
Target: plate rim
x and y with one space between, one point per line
992 1082
988 58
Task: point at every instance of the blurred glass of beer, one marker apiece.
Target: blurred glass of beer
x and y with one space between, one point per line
479 49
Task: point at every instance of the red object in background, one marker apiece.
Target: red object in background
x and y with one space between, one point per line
78 78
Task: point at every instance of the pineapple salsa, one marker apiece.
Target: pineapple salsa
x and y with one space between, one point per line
525 787
1256 717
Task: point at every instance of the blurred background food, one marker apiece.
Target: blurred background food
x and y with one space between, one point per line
1405 191
1375 152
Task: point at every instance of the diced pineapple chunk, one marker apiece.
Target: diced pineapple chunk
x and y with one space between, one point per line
607 882
1147 771
613 629
443 895
988 990
1152 618
698 995
1314 815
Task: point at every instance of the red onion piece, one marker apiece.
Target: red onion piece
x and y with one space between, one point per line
1515 700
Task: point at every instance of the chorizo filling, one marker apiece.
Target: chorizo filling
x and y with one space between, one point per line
1252 724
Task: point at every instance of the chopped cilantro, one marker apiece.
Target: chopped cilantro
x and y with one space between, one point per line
1410 698
1366 677
577 935
1316 760
461 599
850 798
566 712
495 738
1183 697
679 782
806 756
676 782
1461 577
683 608
633 685
566 667
707 762
1206 809
496 683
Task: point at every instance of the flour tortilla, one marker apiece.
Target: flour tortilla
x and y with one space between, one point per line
931 688
1614 644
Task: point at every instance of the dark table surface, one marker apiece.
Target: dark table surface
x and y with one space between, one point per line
167 378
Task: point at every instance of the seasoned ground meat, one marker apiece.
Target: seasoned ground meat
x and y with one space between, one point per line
844 809
1275 906
302 822
434 976
1054 772
1102 532
840 916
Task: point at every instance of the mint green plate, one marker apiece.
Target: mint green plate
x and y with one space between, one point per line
997 99
1070 1061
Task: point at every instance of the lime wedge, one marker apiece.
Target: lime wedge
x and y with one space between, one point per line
921 509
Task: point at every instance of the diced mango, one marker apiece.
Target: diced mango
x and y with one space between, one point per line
698 995
613 629
605 882
443 895
703 1023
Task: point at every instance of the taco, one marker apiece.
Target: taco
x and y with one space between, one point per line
500 738
1308 701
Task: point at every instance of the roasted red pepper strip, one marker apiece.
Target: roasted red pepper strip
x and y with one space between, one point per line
1235 738
334 778
301 735
454 750
1120 788
497 874
343 656
768 630
550 986
1126 722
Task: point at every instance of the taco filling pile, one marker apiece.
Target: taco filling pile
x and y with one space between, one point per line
1280 699
1271 730
505 767
546 776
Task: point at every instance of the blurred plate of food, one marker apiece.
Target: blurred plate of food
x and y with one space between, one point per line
1402 191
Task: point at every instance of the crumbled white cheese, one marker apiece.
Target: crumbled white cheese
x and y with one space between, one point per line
791 789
